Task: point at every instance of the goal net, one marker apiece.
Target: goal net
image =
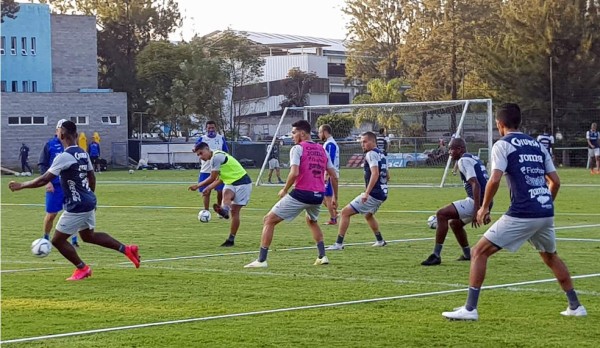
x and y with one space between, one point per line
416 135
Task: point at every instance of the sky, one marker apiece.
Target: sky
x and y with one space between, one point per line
318 18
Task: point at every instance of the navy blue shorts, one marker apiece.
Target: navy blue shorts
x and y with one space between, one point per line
54 200
204 176
328 189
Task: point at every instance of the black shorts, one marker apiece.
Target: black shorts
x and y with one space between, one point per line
94 160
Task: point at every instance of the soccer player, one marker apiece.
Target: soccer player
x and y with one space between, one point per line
459 213
333 151
594 147
76 173
376 191
274 163
383 141
215 141
533 184
54 192
308 165
546 139
227 171
94 152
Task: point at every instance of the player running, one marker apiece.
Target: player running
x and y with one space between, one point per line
333 151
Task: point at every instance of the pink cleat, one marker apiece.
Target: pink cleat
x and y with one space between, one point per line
81 274
131 251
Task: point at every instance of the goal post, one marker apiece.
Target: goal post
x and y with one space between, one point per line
417 134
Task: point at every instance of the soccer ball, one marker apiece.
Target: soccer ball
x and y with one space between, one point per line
432 222
204 216
130 171
41 247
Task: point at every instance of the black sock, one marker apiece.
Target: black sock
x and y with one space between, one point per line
262 255
573 300
340 239
81 265
437 249
321 249
467 252
231 237
472 299
378 236
122 248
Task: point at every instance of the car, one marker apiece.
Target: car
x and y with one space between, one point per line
244 140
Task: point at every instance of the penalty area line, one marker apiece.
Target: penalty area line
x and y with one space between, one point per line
278 310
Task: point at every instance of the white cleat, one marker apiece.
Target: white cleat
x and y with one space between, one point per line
461 313
379 243
257 264
322 261
577 312
336 246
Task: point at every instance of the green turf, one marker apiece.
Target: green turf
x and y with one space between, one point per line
161 218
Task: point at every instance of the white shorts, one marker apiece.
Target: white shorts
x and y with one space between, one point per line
594 152
465 208
71 223
511 232
289 207
273 163
241 193
370 206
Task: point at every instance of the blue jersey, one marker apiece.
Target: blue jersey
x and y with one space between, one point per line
469 167
333 152
51 149
376 158
525 162
94 149
72 166
593 138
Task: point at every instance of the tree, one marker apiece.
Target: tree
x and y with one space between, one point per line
297 86
519 63
341 124
124 29
9 9
375 32
380 91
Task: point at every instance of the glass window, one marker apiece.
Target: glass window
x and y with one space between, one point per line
79 119
34 86
3 86
33 46
25 86
13 120
111 120
2 44
13 45
23 46
14 86
26 120
39 120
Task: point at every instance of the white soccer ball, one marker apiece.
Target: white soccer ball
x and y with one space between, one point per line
204 216
130 171
27 173
41 247
432 222
17 174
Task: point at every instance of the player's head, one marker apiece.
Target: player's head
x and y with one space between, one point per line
300 131
546 130
68 132
203 151
382 131
508 117
58 125
457 148
211 129
594 126
368 141
324 132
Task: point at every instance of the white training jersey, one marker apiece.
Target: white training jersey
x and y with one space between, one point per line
216 143
333 152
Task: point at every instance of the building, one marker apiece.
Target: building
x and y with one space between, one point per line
260 102
49 72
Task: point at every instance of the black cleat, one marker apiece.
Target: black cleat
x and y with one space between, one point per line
76 245
220 211
228 243
463 258
432 260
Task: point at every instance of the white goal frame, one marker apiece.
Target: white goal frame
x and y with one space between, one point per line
457 134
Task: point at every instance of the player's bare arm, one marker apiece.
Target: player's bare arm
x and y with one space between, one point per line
37 182
291 178
334 185
213 176
483 214
553 184
372 182
91 177
477 198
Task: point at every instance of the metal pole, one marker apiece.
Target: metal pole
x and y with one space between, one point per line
551 101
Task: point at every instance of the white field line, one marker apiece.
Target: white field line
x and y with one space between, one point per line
578 240
278 310
265 210
28 269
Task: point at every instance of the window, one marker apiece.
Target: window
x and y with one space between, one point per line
79 119
33 46
3 86
34 86
26 120
13 45
25 86
110 120
2 44
23 46
14 86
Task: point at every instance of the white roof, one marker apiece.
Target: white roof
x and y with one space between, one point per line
297 41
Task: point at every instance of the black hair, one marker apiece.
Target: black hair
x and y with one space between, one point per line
510 115
458 142
69 128
211 122
302 125
382 131
201 146
327 128
370 135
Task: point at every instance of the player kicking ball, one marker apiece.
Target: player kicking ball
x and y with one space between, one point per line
367 203
474 177
236 191
78 182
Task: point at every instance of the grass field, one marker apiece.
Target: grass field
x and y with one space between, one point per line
189 292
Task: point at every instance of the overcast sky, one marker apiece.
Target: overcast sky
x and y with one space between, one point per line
318 18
